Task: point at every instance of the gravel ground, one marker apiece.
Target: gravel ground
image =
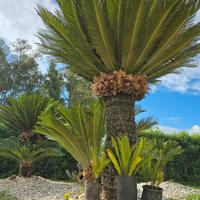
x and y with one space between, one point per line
38 188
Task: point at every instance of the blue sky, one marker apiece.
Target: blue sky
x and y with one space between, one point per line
172 109
174 102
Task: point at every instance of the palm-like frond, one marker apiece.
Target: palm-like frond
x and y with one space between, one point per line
13 150
126 159
145 124
22 114
149 37
78 129
161 153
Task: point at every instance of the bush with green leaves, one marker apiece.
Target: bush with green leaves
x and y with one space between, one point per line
51 168
5 195
25 155
161 153
186 166
193 197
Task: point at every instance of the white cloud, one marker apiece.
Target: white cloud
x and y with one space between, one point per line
188 80
18 19
195 129
169 129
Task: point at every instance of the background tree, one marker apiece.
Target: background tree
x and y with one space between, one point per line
121 45
18 69
54 83
78 89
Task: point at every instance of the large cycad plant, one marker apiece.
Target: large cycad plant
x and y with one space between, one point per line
22 114
121 45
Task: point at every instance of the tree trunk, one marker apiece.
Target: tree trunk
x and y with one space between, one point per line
120 120
25 169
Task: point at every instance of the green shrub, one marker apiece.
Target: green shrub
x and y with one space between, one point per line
4 195
51 168
193 197
185 167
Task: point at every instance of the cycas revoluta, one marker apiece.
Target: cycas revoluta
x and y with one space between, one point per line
121 45
25 155
21 114
80 130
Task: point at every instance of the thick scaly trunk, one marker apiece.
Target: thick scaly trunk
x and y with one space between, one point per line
25 169
119 121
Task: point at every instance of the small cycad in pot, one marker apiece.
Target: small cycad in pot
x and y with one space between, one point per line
98 163
161 154
80 130
127 161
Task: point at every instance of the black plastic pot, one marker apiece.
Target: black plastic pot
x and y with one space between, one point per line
152 193
126 188
93 191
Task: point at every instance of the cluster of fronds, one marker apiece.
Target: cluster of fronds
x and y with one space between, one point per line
80 130
152 37
120 82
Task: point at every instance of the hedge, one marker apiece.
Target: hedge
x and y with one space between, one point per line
51 168
184 168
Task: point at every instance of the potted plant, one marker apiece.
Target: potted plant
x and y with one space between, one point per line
80 130
162 153
98 163
127 161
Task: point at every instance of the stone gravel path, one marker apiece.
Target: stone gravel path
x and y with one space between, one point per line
38 188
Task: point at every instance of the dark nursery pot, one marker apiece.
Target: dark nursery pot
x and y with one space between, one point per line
126 188
93 191
152 193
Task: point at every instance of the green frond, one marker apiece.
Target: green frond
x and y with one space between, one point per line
161 153
99 162
22 114
145 124
139 110
140 37
13 150
78 129
126 159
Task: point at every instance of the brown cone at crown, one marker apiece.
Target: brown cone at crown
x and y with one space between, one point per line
119 82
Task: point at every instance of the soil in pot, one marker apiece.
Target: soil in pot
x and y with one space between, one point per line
152 193
93 191
126 188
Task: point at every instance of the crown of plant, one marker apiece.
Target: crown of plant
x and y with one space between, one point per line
144 37
21 114
127 159
120 82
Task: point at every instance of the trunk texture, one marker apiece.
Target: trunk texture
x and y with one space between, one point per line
25 169
119 121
